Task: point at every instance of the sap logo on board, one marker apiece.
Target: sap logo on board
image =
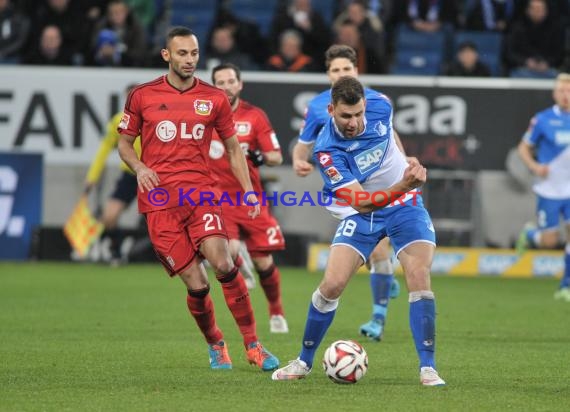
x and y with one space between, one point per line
547 265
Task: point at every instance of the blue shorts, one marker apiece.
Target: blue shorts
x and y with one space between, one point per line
404 224
548 212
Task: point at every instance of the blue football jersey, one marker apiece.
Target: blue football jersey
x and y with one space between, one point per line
371 158
549 134
317 115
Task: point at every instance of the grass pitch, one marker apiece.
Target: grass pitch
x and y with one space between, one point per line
86 337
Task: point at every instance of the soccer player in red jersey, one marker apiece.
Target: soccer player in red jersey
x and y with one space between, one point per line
262 237
175 115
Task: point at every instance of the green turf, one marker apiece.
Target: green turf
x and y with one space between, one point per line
86 337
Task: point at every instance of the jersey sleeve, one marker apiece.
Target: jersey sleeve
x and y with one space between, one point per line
224 123
266 137
533 133
106 146
334 170
312 127
131 121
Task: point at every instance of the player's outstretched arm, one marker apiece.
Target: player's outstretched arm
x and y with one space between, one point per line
146 177
241 172
301 155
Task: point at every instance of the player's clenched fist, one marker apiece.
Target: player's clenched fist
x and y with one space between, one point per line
415 175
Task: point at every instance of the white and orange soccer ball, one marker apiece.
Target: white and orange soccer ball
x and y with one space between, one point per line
345 361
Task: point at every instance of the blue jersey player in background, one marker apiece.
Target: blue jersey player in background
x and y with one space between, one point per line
341 60
545 149
373 187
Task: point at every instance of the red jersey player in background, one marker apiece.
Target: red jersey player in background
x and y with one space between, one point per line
263 236
175 115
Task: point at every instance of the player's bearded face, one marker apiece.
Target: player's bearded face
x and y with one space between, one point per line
349 119
226 80
182 54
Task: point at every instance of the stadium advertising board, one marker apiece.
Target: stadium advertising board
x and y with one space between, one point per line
447 123
20 202
471 262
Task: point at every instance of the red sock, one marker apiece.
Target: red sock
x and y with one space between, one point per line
237 299
270 280
202 309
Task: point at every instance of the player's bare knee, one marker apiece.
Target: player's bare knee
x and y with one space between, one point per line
549 240
222 266
417 277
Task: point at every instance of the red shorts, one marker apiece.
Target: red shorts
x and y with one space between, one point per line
261 235
176 233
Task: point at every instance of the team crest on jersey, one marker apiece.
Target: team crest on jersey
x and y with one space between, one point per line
243 128
203 107
325 159
333 174
380 128
124 123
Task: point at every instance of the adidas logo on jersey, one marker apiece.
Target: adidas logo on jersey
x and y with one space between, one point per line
162 107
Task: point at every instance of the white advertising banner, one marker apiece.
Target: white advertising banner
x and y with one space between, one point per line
61 112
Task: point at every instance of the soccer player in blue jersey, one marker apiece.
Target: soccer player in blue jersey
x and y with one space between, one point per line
545 149
340 61
373 190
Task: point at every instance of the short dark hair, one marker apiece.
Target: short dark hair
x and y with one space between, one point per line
347 90
178 31
339 51
224 66
467 44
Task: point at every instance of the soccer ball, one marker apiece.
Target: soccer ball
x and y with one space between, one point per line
345 361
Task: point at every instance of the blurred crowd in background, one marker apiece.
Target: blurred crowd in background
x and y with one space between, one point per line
517 38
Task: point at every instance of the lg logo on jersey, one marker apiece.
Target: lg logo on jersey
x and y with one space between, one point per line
167 131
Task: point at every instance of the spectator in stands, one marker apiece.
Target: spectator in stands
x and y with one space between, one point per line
370 30
370 57
467 63
14 30
131 37
247 36
144 10
71 20
290 57
535 45
299 15
427 15
383 9
223 49
50 50
488 15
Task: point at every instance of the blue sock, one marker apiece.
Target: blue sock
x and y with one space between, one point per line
422 324
317 325
380 285
531 237
565 281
